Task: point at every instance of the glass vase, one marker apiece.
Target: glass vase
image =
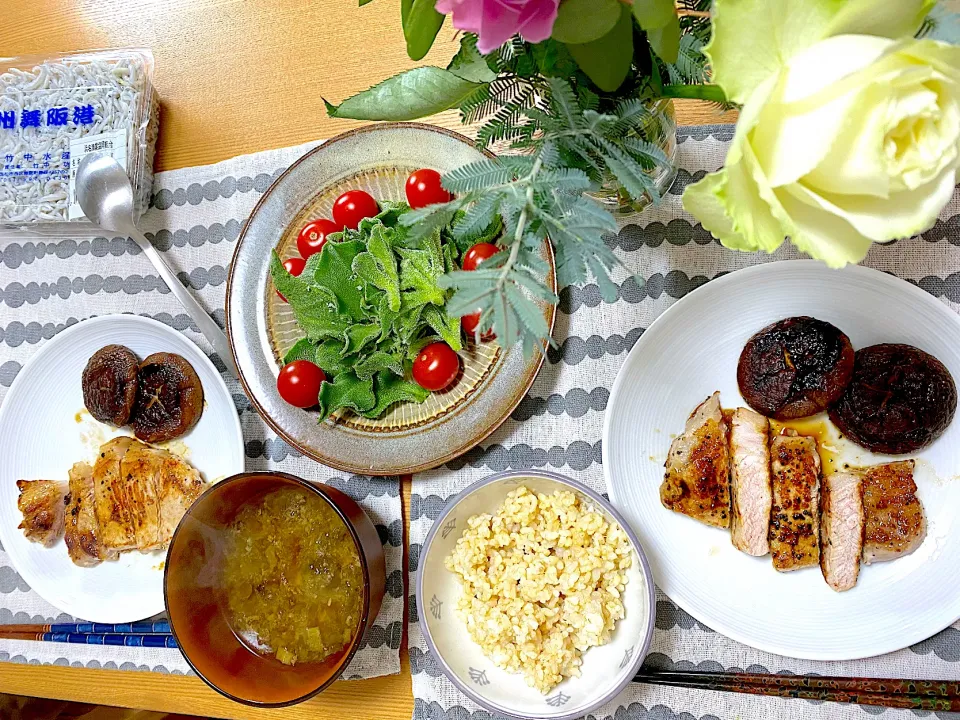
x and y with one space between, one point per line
661 130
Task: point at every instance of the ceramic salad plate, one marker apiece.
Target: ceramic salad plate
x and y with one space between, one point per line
410 437
46 430
691 351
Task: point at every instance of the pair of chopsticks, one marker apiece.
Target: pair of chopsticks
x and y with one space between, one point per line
933 695
140 634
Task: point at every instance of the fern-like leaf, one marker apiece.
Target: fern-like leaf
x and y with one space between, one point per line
478 217
477 176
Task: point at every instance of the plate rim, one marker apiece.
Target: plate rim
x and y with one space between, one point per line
6 533
313 454
680 599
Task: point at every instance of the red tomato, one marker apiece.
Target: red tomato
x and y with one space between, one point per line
424 188
436 366
313 236
299 383
477 254
294 266
352 207
469 324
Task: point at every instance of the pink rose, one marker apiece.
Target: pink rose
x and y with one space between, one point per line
496 21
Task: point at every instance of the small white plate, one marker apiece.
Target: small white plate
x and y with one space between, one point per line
692 350
46 430
606 669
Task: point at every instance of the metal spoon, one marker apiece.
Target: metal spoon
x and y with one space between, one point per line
105 195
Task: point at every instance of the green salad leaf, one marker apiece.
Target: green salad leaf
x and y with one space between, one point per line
369 302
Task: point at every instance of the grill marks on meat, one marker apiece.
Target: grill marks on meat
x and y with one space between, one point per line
140 494
727 470
750 481
841 530
895 525
795 518
42 505
82 530
696 482
132 498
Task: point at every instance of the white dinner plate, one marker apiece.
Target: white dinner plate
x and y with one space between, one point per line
692 350
45 429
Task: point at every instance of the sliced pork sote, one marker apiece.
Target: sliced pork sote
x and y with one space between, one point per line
750 481
841 529
697 482
795 512
894 521
42 504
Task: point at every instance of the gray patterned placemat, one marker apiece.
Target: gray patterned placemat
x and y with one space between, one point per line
47 285
559 426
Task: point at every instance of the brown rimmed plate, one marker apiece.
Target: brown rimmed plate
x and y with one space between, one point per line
410 437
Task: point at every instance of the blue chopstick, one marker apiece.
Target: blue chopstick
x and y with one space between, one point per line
136 628
130 640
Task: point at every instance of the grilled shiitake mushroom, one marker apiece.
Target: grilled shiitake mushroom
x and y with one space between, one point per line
109 383
795 367
169 398
900 399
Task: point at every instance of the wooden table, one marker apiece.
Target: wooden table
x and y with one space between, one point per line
234 77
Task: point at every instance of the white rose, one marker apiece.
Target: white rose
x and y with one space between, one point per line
844 141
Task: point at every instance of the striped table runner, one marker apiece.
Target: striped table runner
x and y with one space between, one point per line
47 285
559 426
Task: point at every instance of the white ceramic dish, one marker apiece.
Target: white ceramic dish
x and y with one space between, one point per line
692 350
606 669
46 429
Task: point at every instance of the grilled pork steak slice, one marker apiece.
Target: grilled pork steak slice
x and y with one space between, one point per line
841 529
795 513
750 481
894 521
42 504
82 533
696 482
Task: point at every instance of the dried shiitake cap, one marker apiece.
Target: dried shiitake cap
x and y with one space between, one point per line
900 399
795 367
109 383
169 398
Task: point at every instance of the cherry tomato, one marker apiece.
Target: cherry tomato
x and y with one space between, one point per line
313 236
469 324
424 188
436 366
294 266
477 254
299 383
352 207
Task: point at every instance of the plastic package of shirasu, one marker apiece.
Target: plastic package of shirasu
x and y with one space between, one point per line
54 111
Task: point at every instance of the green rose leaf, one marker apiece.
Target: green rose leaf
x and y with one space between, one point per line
665 40
410 95
652 14
378 266
469 64
754 39
421 23
606 61
580 21
391 389
346 391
